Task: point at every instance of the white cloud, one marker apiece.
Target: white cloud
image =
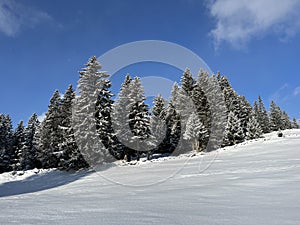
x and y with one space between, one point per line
297 91
15 16
239 21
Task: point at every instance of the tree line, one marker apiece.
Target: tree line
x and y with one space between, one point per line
166 127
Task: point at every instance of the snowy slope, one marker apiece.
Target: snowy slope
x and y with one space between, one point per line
257 182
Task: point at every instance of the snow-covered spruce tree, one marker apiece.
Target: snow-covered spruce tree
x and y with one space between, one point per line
187 81
51 134
18 143
234 133
158 124
256 112
230 95
181 100
217 108
200 99
103 118
231 98
195 132
173 130
236 103
138 120
286 123
91 80
71 158
202 106
238 110
120 122
181 106
262 116
295 125
159 106
173 124
175 93
6 142
244 113
253 128
275 117
36 144
28 159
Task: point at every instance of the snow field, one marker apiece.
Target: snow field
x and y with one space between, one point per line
256 182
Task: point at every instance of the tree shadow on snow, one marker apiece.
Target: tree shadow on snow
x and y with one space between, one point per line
40 182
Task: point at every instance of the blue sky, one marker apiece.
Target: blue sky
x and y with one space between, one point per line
43 44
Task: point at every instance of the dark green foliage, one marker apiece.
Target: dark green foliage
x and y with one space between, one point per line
202 107
187 81
71 158
29 152
51 134
6 143
234 133
276 122
18 144
90 83
262 115
295 124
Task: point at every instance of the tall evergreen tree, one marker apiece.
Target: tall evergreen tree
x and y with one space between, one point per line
195 132
256 112
187 81
234 133
275 117
262 116
253 128
238 110
173 131
18 143
138 120
158 123
29 151
91 81
202 105
51 134
120 121
286 123
230 95
295 125
200 99
6 142
181 106
159 106
244 113
182 101
172 120
103 117
218 111
71 158
36 143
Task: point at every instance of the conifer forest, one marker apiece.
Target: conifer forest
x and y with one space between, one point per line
52 143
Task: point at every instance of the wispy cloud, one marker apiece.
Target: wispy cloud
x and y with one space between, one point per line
239 21
282 94
297 91
285 93
14 16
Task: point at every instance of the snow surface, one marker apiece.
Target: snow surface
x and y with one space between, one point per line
256 182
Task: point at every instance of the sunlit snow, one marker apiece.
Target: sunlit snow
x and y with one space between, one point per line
256 182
